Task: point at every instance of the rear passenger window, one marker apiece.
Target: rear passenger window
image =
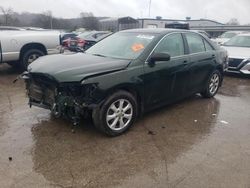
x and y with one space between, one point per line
195 43
208 46
172 44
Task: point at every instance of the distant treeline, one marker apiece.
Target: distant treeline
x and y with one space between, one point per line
45 20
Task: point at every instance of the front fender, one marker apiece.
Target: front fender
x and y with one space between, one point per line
104 85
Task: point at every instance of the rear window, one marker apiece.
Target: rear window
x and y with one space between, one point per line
208 46
195 43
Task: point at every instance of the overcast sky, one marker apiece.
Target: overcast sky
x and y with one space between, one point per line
220 10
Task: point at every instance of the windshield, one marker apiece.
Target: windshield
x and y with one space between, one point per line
122 45
228 35
239 41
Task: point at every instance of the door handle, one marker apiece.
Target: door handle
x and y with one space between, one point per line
213 56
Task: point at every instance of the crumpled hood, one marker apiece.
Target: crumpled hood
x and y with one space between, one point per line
75 67
237 52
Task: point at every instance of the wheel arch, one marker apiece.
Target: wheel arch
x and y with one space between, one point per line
220 69
130 88
32 45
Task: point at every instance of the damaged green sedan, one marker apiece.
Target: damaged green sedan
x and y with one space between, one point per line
126 74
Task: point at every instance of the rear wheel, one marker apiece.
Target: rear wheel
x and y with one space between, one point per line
212 85
29 56
117 114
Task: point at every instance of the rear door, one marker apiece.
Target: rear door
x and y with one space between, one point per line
202 61
167 79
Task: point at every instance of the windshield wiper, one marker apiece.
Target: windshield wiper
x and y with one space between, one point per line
100 55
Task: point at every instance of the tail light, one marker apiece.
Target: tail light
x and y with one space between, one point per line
81 42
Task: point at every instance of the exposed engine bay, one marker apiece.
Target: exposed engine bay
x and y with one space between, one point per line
68 100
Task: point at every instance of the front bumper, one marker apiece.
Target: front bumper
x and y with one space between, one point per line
245 69
239 66
70 100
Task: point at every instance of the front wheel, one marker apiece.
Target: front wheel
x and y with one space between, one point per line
117 114
29 56
212 85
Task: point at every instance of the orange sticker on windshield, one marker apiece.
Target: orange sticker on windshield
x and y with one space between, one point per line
137 47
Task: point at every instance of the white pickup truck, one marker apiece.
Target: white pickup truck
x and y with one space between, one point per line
22 47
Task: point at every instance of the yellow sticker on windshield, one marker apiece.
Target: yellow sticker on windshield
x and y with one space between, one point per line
137 47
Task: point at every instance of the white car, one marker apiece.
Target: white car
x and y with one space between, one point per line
226 37
238 49
21 47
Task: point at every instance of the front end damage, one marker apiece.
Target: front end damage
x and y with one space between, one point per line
68 100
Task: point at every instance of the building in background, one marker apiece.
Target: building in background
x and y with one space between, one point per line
118 24
212 27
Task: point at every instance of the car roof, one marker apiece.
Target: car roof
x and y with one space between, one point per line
154 30
93 32
198 31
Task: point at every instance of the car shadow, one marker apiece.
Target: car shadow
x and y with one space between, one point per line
7 69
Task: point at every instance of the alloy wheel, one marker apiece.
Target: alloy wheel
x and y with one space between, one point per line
119 114
214 83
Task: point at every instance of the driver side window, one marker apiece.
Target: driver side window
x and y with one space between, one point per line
172 44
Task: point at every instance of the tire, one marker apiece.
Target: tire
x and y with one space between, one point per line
29 56
212 85
117 114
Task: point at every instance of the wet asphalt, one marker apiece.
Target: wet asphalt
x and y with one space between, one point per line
194 143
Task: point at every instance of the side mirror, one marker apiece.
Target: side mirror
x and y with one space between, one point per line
159 57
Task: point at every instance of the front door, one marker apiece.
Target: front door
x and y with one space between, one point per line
166 80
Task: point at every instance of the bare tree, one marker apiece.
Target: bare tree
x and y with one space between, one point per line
233 21
7 15
89 21
44 20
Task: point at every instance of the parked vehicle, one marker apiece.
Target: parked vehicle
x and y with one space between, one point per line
85 40
178 25
4 28
9 28
66 36
226 36
12 28
239 54
22 47
125 75
35 29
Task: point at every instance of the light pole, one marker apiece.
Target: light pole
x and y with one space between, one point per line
149 8
51 21
50 18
